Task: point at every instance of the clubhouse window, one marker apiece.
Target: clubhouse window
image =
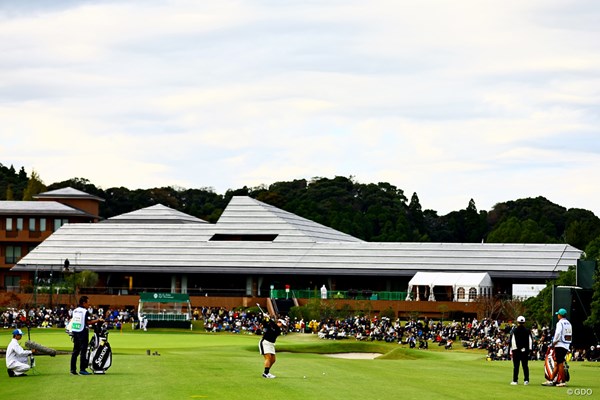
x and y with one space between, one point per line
12 283
10 224
472 294
13 254
58 222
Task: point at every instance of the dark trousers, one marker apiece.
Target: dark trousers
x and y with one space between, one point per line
520 358
561 355
80 345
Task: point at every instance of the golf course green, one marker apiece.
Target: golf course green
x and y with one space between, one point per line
186 364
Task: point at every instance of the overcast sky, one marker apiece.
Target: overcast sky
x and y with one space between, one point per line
453 100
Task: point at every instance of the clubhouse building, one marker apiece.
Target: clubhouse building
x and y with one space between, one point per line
26 224
255 250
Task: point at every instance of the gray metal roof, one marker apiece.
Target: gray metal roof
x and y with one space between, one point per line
156 214
38 208
301 247
246 215
67 193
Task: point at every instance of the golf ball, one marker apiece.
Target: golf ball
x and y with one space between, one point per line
304 376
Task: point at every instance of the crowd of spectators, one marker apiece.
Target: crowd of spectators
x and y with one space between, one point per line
219 319
486 334
59 316
489 335
35 317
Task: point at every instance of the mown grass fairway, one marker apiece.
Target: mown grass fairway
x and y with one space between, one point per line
195 365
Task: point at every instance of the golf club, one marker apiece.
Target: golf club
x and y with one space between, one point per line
260 308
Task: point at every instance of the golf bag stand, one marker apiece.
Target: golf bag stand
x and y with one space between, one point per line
99 351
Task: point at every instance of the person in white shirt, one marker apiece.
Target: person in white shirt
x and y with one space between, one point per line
323 292
16 356
79 328
143 322
563 335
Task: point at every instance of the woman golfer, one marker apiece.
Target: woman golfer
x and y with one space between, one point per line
266 345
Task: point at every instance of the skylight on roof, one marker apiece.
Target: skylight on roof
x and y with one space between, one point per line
241 237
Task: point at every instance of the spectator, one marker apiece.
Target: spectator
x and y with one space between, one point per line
323 292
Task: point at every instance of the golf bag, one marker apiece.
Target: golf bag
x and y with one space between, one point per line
99 351
551 366
31 345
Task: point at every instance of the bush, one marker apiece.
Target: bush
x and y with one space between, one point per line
315 309
388 313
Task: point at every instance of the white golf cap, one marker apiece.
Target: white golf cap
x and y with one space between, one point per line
282 322
521 319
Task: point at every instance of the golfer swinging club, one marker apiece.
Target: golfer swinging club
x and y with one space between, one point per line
266 345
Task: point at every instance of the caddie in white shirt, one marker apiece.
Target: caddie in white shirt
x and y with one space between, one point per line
563 335
16 356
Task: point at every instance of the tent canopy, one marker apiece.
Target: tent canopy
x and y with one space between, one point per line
466 280
451 279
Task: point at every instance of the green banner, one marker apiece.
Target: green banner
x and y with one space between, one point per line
585 273
146 297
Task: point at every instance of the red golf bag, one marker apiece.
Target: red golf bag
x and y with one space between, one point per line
551 367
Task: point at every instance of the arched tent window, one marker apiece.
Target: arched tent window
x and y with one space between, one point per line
472 293
460 293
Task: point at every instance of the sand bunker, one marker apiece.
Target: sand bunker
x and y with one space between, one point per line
355 356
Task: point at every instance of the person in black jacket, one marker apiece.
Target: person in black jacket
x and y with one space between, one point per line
521 343
271 330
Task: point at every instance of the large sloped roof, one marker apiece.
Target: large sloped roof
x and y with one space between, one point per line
299 246
156 214
247 215
38 208
67 193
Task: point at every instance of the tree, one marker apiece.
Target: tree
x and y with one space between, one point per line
515 231
582 226
592 252
11 183
549 217
83 279
488 307
314 309
34 186
9 193
594 319
512 308
475 226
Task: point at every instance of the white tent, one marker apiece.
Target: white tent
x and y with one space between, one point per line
465 286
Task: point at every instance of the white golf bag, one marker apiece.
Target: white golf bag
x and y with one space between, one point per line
99 351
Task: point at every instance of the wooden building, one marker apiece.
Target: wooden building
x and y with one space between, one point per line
26 224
